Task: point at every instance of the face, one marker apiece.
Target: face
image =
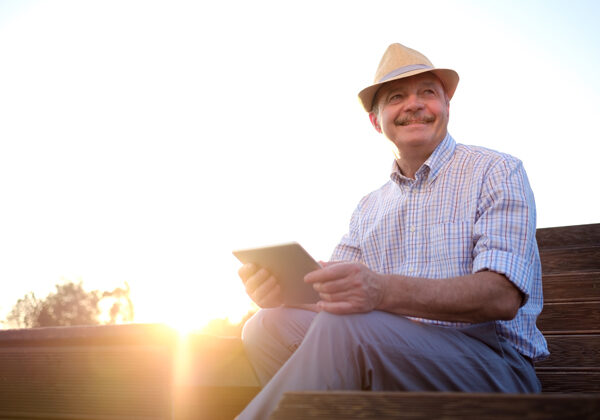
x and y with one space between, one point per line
413 113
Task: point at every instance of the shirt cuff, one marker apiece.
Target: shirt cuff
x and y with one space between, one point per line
515 268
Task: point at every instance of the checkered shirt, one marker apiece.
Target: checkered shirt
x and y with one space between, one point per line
468 209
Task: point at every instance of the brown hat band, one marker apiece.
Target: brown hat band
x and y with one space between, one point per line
403 70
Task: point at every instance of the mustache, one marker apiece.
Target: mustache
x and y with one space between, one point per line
415 118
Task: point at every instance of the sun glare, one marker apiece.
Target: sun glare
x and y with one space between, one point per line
191 309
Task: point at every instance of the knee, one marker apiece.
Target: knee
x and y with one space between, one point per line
257 326
337 328
360 328
281 324
343 322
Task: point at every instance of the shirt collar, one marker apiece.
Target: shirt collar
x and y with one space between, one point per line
431 167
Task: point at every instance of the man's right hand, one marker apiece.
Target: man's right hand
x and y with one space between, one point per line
262 287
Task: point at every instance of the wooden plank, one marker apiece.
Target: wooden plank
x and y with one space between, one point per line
562 260
568 351
214 403
431 405
214 379
571 287
569 382
121 372
565 236
90 335
211 361
570 317
102 381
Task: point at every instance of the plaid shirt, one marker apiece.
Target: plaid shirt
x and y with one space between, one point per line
468 209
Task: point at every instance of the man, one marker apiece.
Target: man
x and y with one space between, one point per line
436 286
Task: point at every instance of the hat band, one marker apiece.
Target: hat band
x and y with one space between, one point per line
402 70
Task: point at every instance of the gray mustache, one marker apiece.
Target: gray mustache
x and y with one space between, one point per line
408 119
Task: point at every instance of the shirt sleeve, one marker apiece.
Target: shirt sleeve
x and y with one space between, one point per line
349 247
504 232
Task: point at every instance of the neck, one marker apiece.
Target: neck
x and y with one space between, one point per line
411 159
409 167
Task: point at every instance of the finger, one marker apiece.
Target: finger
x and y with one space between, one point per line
335 286
337 307
264 289
272 299
255 280
332 272
328 263
247 270
336 297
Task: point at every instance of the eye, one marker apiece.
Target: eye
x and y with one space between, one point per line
429 92
395 98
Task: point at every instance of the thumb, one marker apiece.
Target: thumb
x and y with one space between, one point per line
328 263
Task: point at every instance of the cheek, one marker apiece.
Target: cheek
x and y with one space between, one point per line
442 112
386 118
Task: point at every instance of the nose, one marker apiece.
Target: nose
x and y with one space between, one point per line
413 103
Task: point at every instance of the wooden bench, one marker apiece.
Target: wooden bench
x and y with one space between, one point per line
149 372
570 377
570 319
86 372
122 372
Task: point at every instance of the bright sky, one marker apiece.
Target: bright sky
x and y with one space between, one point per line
142 141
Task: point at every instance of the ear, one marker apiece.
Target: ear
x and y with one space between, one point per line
373 118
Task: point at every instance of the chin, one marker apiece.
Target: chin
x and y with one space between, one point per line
413 142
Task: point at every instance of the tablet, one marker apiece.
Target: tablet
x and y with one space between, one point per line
289 263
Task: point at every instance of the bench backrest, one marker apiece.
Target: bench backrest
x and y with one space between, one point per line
570 319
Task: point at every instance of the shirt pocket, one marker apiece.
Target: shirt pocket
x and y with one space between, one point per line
450 247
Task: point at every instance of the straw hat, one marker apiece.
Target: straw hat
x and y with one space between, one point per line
399 62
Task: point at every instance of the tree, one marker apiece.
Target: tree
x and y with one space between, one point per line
69 305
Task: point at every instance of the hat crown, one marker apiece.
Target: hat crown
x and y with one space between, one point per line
398 56
399 62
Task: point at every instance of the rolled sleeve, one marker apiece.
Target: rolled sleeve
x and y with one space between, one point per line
516 269
505 229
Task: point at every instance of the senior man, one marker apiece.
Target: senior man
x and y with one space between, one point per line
437 284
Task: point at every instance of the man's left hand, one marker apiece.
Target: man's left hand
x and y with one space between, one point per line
347 288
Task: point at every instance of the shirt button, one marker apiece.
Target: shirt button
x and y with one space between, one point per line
413 228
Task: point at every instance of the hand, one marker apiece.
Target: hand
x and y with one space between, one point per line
347 288
262 287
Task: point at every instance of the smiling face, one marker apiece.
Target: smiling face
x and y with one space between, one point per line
413 113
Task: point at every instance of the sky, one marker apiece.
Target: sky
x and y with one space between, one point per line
142 141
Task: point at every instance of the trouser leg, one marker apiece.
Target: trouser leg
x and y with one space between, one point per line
271 336
381 351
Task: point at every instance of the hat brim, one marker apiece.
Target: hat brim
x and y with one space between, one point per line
448 77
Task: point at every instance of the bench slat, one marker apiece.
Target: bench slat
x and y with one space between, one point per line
571 287
563 260
569 382
566 351
564 236
431 405
574 318
211 402
90 382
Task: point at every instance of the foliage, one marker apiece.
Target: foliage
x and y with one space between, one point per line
70 305
121 306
